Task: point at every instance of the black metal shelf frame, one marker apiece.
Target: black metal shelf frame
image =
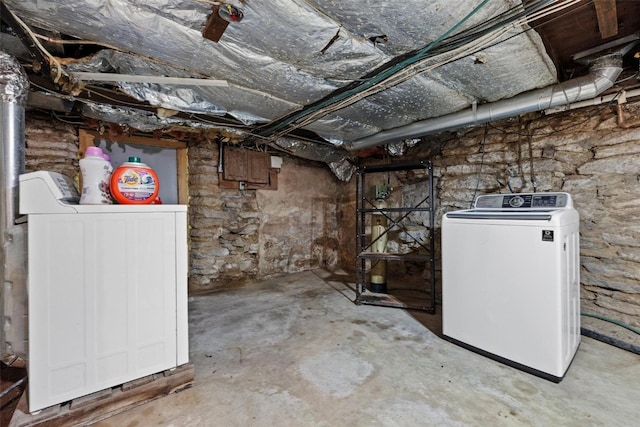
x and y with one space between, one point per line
365 207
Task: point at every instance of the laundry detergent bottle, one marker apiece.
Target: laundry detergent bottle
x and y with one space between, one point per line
133 182
96 174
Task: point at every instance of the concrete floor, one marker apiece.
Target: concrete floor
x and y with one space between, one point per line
295 351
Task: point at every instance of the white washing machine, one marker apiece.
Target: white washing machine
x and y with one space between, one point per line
511 280
107 290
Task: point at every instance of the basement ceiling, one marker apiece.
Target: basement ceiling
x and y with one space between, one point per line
320 79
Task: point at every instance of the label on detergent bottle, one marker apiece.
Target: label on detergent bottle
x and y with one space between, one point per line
96 173
134 183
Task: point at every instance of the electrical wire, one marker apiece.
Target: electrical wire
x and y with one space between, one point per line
64 120
52 59
482 147
81 42
242 129
406 68
532 175
86 88
211 122
631 77
529 19
58 67
400 77
128 104
486 42
409 67
438 52
245 132
463 53
89 91
375 79
44 89
209 2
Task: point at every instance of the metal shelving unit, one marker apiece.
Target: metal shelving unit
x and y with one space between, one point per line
397 220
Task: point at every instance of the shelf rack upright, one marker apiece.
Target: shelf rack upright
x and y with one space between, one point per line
396 218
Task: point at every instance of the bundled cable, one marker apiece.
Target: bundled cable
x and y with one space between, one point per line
447 48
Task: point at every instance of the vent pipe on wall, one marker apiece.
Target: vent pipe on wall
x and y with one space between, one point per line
602 75
14 87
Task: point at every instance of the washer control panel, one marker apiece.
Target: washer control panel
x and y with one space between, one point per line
529 201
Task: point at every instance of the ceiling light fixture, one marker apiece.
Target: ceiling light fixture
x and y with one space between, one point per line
230 12
221 15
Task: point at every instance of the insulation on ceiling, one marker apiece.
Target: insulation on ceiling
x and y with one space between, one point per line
286 54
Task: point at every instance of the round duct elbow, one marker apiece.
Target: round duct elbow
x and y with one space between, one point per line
602 75
605 71
14 84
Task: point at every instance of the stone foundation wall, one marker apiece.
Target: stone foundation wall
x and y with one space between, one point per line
223 226
586 153
309 221
51 146
347 225
237 235
298 223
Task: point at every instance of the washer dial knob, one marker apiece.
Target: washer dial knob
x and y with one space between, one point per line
516 202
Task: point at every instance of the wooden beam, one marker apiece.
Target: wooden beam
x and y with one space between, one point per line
84 134
182 159
103 404
131 78
607 17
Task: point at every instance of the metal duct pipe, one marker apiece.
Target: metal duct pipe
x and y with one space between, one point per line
602 75
13 94
14 87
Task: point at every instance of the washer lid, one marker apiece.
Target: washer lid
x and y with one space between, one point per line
521 216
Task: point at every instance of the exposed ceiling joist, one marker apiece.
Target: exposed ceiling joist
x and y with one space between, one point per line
607 17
